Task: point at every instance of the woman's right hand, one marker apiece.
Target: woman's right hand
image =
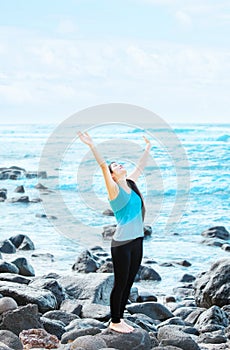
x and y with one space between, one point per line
84 137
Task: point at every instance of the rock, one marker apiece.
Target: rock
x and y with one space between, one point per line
88 342
212 338
61 316
2 345
19 189
184 291
3 193
34 174
10 339
108 212
194 315
147 230
74 334
226 247
187 278
133 294
184 263
53 326
147 273
52 285
213 287
139 339
85 263
183 312
99 312
10 277
142 321
216 231
71 306
212 242
84 323
23 317
92 287
213 316
23 295
172 335
8 267
24 267
172 321
39 186
6 304
7 247
154 310
22 242
38 338
107 267
145 296
22 199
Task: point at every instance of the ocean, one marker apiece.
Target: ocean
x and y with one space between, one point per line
183 197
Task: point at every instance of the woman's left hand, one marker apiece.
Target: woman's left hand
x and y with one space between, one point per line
148 143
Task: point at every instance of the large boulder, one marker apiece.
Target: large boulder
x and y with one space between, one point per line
213 287
139 339
7 247
172 335
23 295
213 316
24 317
92 287
24 267
22 242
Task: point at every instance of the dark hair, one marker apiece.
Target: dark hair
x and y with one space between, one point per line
110 167
134 187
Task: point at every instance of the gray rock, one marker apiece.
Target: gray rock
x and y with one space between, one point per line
139 339
86 263
184 311
194 315
92 287
226 247
172 335
212 338
106 267
88 342
84 323
22 242
74 334
8 267
154 310
2 345
7 247
216 231
23 295
53 326
24 317
10 339
97 311
25 269
71 306
213 316
3 193
187 278
62 316
109 231
213 287
6 304
147 273
52 285
172 321
21 199
19 189
11 277
145 296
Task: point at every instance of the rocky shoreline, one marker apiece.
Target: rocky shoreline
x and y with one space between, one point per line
72 311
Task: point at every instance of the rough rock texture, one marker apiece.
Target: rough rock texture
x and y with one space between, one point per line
10 339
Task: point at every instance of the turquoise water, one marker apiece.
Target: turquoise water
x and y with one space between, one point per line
183 196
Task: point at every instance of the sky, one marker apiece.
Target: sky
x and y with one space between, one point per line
58 57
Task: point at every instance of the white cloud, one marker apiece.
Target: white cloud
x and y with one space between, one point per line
67 26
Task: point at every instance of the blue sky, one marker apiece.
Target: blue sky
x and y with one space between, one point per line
60 56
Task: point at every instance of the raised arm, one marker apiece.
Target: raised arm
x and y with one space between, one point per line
112 187
141 163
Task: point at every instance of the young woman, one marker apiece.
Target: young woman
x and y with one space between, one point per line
127 244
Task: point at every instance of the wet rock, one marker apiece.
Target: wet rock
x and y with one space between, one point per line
3 193
86 263
147 273
19 189
25 269
7 247
212 287
22 242
216 231
8 267
184 263
187 278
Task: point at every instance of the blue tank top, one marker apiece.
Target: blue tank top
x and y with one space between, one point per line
127 208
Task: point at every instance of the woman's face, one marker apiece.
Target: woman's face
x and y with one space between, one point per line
118 170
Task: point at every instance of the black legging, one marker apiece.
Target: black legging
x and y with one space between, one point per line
126 262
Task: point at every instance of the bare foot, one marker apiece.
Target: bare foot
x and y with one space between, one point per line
127 325
120 327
